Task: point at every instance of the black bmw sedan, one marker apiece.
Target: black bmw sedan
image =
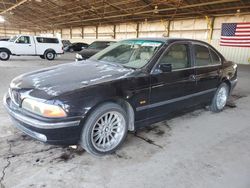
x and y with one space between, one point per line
76 47
128 85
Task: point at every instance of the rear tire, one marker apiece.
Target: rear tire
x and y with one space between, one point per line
4 55
220 98
50 55
104 130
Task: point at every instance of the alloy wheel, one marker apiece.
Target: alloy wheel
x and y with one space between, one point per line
108 131
221 99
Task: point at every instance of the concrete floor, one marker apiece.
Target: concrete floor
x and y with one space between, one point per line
200 149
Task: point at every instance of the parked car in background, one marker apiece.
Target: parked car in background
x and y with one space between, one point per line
93 49
128 85
4 39
66 43
75 47
27 45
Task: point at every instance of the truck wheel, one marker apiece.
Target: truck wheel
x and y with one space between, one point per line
42 57
50 55
104 130
4 55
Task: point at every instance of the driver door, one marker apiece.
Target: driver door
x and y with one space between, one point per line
24 46
172 90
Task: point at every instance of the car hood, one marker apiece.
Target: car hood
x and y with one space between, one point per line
4 43
57 80
87 53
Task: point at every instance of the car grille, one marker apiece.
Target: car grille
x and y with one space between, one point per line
15 97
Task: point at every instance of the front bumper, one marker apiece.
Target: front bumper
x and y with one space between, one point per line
54 132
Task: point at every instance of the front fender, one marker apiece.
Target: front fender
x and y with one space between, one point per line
6 49
80 102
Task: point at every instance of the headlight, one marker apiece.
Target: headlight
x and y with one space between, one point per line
42 109
78 56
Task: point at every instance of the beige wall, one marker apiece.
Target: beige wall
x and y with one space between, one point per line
191 28
7 32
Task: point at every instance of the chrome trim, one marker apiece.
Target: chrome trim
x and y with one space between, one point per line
212 65
174 100
182 69
160 85
36 123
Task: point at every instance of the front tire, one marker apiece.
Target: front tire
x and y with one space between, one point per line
50 55
220 98
4 55
104 130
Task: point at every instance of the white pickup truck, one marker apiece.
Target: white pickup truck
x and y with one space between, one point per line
45 47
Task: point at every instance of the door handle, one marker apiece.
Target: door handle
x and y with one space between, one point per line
29 44
192 77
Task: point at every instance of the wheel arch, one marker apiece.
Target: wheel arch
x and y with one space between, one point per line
226 80
6 49
49 49
121 102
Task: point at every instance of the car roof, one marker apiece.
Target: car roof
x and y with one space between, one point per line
167 39
104 41
160 39
79 43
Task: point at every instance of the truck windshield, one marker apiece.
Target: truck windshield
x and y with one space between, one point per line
13 39
129 53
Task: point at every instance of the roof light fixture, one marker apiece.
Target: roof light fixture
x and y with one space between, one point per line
2 20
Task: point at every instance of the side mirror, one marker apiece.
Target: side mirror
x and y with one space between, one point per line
166 67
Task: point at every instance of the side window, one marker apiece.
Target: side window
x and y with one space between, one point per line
202 56
52 40
177 55
23 40
47 40
215 57
39 39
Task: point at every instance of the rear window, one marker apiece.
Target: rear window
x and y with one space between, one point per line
215 57
202 55
47 40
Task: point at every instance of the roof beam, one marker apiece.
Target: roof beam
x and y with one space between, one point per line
151 11
13 6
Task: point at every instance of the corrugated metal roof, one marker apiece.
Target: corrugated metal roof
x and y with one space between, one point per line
50 14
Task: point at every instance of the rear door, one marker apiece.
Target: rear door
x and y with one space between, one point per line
172 91
208 71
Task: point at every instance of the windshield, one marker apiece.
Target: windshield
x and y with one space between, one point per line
98 45
13 39
129 53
